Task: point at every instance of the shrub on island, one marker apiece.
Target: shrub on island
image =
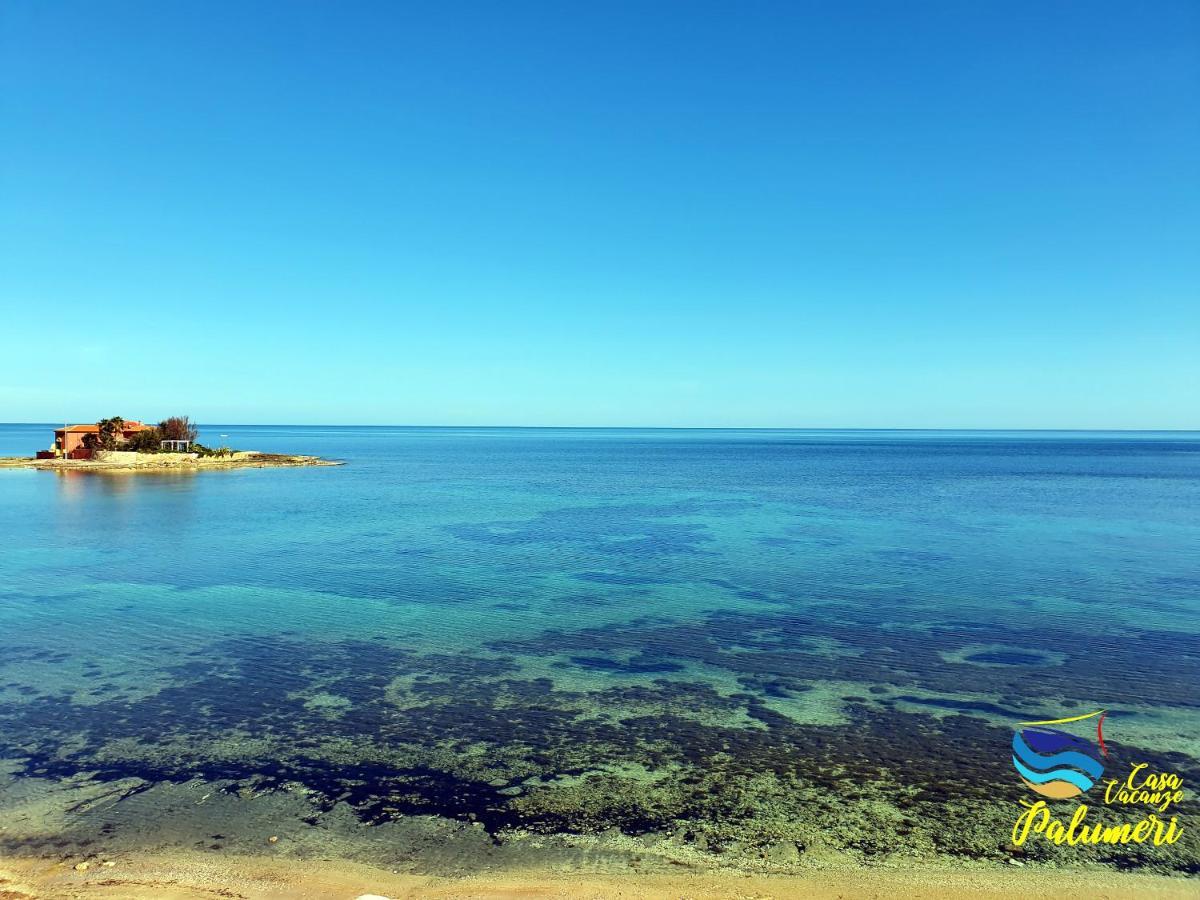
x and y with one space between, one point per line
146 441
203 451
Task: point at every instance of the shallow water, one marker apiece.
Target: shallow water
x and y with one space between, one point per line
762 647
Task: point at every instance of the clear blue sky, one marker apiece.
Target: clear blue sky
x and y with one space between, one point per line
954 214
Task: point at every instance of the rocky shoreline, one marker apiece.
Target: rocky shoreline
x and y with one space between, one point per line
173 462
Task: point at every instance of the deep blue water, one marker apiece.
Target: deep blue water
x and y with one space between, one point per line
569 601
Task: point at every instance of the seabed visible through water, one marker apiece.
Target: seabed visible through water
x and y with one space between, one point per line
462 652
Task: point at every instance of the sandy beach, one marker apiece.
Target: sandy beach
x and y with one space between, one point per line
183 876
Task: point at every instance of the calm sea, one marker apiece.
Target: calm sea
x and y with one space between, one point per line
737 645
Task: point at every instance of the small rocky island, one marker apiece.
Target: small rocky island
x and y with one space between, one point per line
117 444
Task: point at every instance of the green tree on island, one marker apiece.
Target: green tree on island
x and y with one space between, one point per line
109 435
146 441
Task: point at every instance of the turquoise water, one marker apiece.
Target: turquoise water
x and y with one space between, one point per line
764 647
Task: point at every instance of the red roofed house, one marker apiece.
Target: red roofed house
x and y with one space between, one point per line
68 440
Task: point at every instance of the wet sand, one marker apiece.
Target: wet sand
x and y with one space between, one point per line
189 875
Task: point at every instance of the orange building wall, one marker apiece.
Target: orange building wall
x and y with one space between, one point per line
71 442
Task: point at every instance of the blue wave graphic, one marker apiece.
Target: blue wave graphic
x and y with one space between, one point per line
1050 761
1070 776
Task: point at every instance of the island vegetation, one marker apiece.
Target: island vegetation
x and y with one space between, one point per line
175 429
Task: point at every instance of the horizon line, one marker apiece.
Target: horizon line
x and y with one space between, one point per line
908 428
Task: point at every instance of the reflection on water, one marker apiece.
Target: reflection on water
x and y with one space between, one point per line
770 648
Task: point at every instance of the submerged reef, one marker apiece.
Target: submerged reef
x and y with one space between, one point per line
630 734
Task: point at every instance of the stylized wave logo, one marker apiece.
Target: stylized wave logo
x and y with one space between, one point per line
1055 763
